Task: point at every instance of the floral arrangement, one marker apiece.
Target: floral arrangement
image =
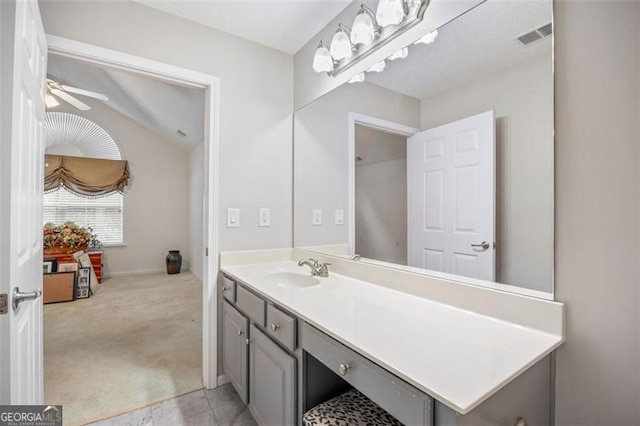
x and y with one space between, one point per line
68 237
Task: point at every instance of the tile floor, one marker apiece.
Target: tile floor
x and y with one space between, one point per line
221 406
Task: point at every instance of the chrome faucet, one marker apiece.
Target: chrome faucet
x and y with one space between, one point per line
317 269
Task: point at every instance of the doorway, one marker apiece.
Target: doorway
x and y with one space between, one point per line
207 160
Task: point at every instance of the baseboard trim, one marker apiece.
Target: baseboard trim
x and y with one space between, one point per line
222 380
138 272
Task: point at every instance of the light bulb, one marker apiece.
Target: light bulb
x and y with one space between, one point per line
377 67
428 38
322 61
358 78
340 45
400 54
50 101
390 12
362 31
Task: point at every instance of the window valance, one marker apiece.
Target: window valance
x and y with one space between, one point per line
89 177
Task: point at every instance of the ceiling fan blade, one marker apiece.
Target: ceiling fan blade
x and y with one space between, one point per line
84 92
70 99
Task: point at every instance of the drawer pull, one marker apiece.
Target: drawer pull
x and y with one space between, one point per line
240 332
275 327
343 369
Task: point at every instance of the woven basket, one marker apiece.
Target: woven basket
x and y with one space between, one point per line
64 250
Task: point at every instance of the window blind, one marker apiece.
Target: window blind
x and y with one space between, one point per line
104 214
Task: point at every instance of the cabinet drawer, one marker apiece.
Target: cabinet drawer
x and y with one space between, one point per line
398 398
251 304
228 289
281 327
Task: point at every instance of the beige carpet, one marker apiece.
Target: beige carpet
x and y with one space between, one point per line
136 342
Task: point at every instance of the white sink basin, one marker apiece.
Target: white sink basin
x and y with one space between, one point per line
291 279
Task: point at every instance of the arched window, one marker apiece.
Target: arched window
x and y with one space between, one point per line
72 135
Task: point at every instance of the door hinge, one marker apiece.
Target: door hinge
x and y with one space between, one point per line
4 304
206 251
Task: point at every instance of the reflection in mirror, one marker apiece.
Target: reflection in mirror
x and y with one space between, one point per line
443 161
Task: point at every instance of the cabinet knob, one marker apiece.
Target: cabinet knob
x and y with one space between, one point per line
240 332
343 369
275 327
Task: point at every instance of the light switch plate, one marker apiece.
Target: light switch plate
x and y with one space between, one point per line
339 217
317 217
233 218
264 217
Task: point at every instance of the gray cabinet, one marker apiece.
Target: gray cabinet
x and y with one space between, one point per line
235 331
272 381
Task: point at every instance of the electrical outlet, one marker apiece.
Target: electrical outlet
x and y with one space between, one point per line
340 217
264 218
317 217
233 218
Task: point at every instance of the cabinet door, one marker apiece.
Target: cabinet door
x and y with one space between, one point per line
234 349
272 383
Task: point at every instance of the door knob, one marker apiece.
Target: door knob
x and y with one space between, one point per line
483 245
19 297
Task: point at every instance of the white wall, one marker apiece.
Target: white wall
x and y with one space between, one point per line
597 211
381 210
196 186
156 201
321 155
256 102
522 99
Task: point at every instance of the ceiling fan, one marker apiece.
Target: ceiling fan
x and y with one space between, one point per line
61 91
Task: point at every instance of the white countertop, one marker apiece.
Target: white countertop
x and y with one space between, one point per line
456 356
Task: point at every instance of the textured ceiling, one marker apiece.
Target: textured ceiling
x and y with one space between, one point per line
281 25
473 45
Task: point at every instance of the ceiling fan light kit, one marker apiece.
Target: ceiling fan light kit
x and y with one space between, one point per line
368 34
56 91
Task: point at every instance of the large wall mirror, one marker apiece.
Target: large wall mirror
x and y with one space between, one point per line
443 163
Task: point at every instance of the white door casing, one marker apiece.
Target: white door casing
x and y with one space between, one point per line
451 198
21 166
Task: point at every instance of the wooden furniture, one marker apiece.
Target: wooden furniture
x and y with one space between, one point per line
95 256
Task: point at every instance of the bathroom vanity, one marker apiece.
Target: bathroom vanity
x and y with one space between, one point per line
292 341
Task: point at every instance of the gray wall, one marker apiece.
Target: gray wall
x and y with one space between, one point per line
321 155
255 107
597 217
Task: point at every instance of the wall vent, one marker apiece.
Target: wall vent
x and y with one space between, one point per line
539 33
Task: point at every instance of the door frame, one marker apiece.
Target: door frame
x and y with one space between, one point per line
210 248
373 123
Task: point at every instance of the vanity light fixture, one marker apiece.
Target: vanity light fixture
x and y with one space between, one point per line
341 47
370 32
358 78
427 38
400 54
390 12
322 60
364 29
377 67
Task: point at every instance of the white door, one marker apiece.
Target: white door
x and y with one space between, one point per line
24 53
451 198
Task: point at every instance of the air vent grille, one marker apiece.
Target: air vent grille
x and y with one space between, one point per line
539 33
